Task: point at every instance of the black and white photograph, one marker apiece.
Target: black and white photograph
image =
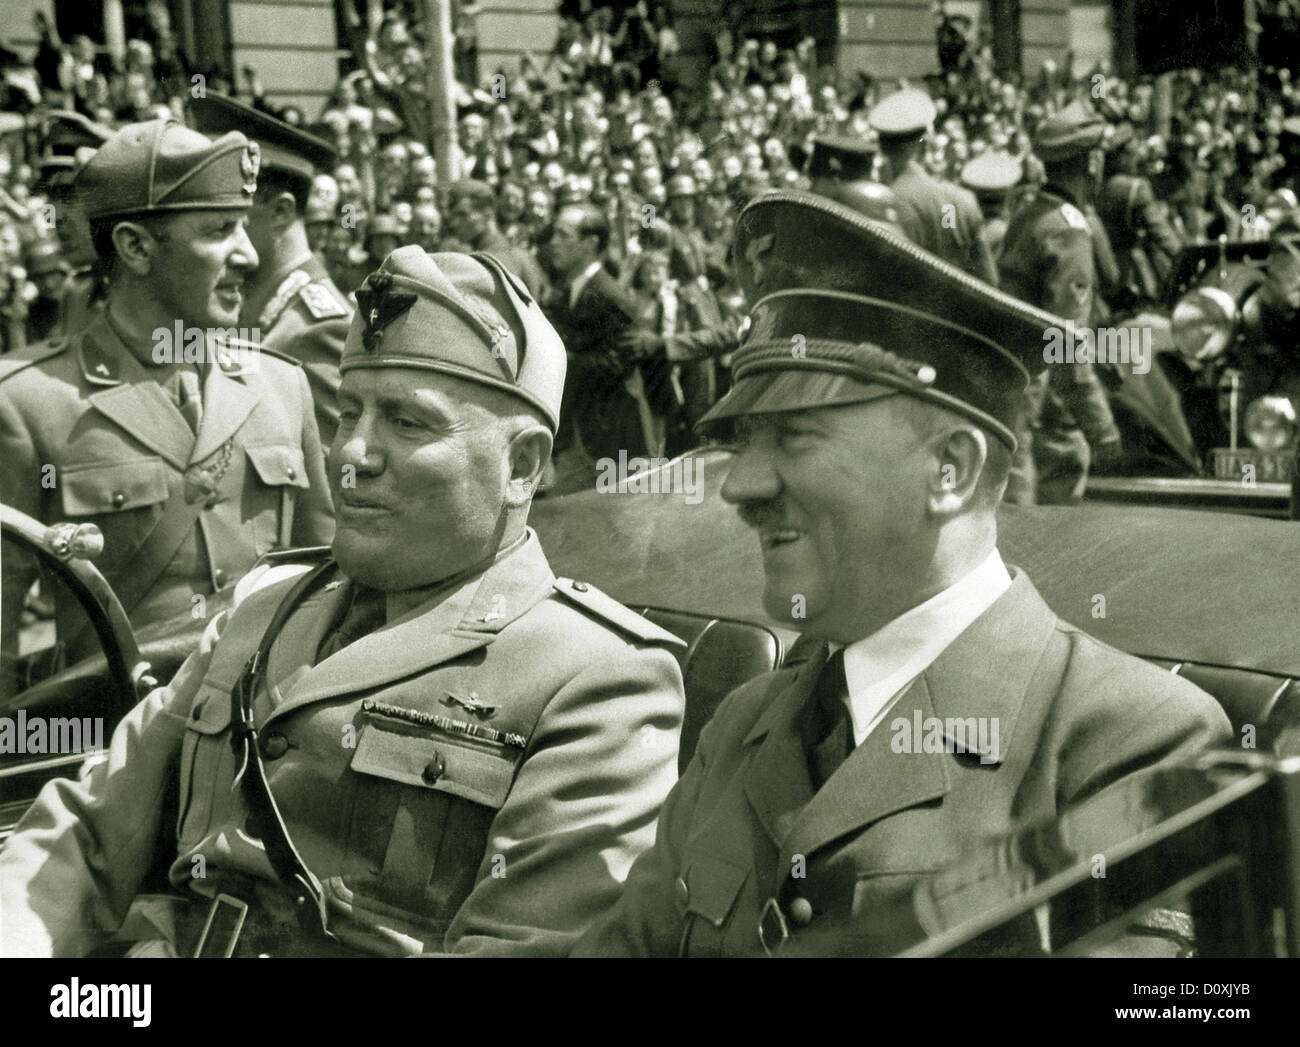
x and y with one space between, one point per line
674 478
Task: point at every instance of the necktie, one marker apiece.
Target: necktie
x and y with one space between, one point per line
829 732
367 612
188 397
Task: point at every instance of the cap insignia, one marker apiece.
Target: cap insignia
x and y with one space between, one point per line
380 306
249 164
758 247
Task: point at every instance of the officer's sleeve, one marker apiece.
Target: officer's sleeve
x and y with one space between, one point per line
313 518
706 342
601 761
76 860
20 488
647 921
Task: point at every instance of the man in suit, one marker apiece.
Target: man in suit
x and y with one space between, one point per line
472 220
605 398
871 472
457 751
939 216
290 298
194 452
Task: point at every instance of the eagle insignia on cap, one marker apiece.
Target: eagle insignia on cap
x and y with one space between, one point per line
758 247
380 306
249 164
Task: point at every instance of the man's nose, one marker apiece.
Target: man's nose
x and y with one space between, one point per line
751 478
245 254
360 447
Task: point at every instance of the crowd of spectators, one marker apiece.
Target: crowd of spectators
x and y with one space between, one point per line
608 122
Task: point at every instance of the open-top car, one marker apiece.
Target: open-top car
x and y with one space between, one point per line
1215 598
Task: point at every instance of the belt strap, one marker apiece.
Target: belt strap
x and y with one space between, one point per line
301 882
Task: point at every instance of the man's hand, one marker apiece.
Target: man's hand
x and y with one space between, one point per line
642 344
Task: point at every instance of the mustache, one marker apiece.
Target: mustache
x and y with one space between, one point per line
760 514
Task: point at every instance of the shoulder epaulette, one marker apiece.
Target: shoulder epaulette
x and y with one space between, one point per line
610 611
12 363
321 302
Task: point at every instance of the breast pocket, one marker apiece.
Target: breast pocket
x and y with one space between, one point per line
103 488
281 473
423 806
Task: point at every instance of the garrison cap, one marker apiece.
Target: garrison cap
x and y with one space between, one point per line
284 147
462 315
162 166
904 114
1075 129
992 174
847 157
847 312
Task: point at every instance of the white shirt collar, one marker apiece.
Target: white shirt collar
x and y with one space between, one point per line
879 667
584 278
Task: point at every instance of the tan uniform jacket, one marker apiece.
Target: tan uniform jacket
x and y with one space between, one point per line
943 218
87 435
509 849
743 825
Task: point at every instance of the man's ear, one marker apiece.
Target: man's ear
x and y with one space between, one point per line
136 247
530 450
283 211
959 456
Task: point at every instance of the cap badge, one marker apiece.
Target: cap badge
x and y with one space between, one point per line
249 164
380 306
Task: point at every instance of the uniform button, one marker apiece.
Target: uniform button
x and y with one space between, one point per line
290 473
581 587
683 892
118 499
801 911
274 745
219 576
434 769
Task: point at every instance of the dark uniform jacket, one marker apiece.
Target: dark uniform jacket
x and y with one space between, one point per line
88 436
1049 260
1133 217
943 218
596 402
517 842
307 317
744 825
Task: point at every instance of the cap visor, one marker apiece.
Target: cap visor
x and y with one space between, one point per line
787 390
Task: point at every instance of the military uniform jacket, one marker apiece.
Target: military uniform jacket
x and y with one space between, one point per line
86 435
743 825
943 218
518 840
307 318
1048 259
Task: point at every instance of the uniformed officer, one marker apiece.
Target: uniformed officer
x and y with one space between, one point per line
290 299
842 168
992 176
871 466
941 217
69 141
465 752
1048 259
194 452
